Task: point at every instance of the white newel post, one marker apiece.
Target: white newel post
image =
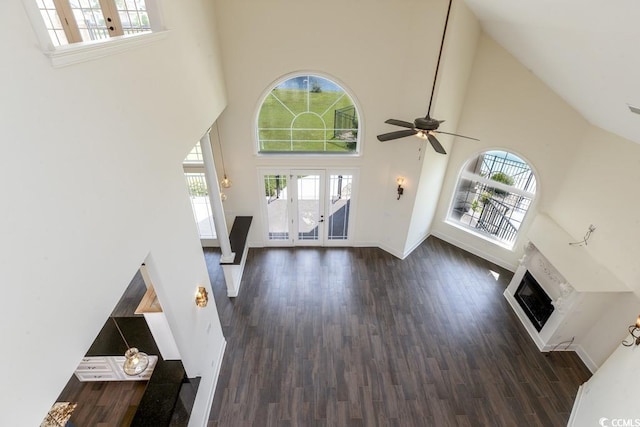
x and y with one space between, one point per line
217 210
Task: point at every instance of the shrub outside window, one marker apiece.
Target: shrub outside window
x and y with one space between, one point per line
493 195
308 114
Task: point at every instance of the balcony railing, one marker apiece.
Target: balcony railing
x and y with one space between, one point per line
493 220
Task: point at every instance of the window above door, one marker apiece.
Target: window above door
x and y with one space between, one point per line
75 21
308 114
73 31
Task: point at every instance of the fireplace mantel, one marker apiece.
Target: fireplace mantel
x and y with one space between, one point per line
573 262
580 289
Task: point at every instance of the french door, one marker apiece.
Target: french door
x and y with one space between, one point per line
307 207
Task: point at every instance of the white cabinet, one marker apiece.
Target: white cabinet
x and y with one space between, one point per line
109 368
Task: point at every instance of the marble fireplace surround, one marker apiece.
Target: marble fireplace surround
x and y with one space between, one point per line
580 288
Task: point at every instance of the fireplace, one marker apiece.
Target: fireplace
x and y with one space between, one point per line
534 301
575 289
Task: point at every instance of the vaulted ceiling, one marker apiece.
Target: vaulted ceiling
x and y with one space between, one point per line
584 50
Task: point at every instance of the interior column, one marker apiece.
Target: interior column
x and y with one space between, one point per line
217 210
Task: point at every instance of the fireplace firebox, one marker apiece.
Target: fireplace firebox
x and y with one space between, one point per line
534 301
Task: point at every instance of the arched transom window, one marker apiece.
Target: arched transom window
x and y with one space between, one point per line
308 114
495 189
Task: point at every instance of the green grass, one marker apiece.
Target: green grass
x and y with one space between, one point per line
305 125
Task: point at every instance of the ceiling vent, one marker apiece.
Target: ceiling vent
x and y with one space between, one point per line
634 109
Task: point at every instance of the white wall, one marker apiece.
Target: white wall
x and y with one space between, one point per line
507 107
384 53
91 186
458 56
610 393
600 188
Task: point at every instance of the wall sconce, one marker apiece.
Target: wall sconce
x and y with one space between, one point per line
400 181
634 330
135 362
202 297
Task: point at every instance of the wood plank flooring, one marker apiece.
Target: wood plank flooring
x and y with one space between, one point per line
110 404
357 337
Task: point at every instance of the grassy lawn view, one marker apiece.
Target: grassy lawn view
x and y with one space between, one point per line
303 120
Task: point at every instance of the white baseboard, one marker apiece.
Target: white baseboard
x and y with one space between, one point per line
576 407
474 250
366 244
415 246
392 251
584 356
206 391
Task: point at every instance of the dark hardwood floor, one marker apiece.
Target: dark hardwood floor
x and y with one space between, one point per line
112 404
357 337
131 297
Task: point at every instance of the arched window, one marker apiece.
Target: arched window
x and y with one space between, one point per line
494 192
307 114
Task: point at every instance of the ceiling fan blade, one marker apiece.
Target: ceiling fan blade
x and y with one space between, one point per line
400 123
397 134
436 144
455 134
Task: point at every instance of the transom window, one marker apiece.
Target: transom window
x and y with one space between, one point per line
494 192
308 114
73 21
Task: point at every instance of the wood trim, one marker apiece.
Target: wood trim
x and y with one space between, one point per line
68 21
149 303
109 11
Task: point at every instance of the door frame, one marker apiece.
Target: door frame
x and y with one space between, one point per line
292 215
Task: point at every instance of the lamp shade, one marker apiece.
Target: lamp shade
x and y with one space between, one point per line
135 361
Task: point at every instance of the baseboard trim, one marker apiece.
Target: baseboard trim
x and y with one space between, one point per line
392 251
415 246
584 356
473 250
204 396
576 406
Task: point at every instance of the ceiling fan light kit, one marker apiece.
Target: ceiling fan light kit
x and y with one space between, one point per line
424 127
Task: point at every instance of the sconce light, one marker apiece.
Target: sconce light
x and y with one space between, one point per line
400 181
135 361
225 182
634 330
202 297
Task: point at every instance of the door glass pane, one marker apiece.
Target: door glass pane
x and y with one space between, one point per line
52 22
197 186
133 16
90 20
308 206
275 193
339 204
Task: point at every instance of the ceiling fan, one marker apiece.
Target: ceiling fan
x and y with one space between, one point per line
424 127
